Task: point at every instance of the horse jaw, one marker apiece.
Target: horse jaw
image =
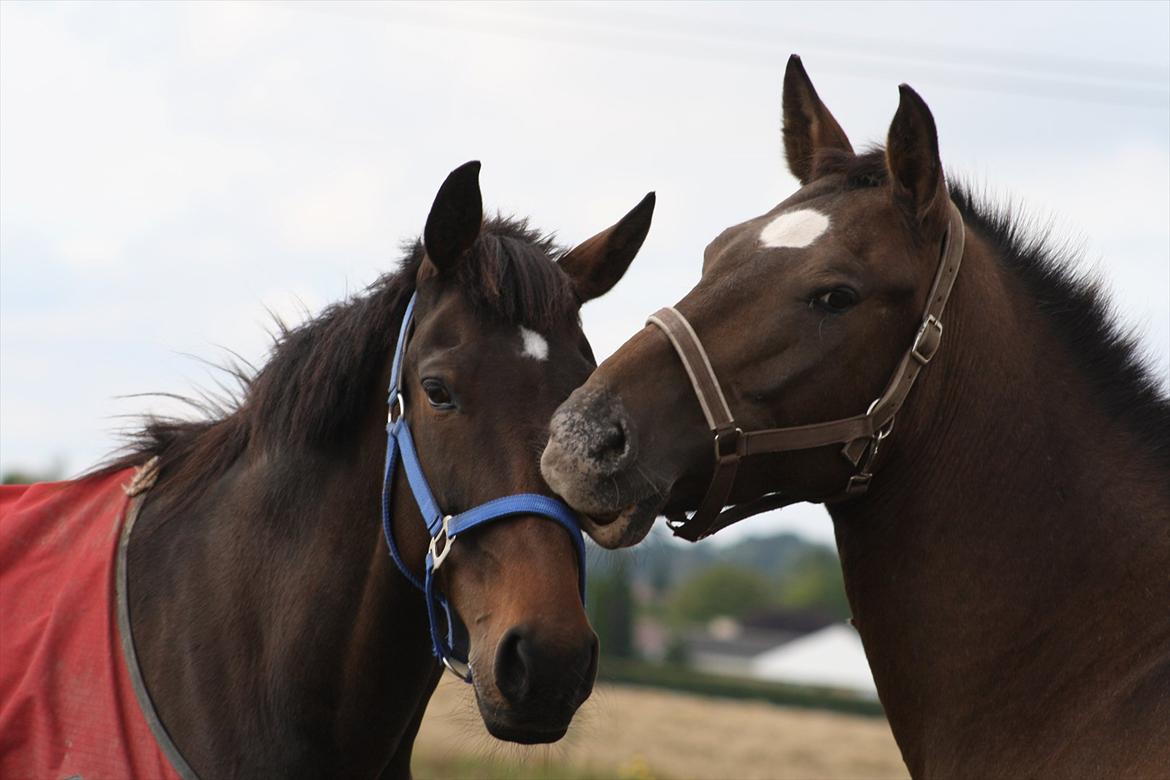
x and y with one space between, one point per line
626 529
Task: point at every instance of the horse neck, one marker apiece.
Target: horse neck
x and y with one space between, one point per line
1010 521
291 656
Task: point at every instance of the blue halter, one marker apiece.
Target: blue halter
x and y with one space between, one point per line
443 528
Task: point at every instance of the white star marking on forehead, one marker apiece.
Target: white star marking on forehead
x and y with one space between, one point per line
535 345
794 229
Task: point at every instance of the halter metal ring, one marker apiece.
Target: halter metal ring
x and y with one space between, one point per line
460 670
886 429
440 555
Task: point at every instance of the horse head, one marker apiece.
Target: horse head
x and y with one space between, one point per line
804 312
496 346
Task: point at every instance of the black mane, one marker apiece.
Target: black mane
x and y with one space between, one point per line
321 375
1076 305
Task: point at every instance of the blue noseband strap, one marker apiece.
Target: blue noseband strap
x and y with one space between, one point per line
443 529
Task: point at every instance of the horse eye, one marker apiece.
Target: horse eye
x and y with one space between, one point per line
835 301
437 394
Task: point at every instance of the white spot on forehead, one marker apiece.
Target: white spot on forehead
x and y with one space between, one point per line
535 345
794 229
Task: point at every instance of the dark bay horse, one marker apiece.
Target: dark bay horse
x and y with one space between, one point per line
275 635
1009 565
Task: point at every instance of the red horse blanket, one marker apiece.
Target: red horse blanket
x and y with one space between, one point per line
67 704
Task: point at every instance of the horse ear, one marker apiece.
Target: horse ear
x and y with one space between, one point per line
809 128
912 156
596 265
456 217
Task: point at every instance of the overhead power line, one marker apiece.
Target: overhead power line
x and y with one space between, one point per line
653 34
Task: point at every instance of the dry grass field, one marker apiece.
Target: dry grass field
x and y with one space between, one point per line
625 732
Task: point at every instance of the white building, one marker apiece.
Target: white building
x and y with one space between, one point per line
829 658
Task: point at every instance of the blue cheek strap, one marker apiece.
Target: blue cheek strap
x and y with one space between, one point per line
444 529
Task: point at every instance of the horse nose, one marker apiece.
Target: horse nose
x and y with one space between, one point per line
530 672
598 429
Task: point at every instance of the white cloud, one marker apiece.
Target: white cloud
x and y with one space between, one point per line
334 209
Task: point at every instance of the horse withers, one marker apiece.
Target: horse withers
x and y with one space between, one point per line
274 633
993 452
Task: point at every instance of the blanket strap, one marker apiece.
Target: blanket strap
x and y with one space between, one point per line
143 481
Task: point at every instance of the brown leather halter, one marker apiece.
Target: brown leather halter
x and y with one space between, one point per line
862 435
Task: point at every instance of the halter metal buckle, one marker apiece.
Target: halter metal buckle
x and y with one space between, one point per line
399 405
440 555
927 339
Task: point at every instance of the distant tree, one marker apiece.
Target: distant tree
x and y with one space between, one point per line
20 476
814 583
721 589
660 576
676 651
610 604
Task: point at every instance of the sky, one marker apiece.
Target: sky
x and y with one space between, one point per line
170 173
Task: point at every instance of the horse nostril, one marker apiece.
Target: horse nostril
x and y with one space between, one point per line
610 442
612 439
529 675
514 664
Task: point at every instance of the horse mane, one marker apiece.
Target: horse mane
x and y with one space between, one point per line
321 374
1076 304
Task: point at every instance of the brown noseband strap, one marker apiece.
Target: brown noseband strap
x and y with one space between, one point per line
729 439
698 365
861 434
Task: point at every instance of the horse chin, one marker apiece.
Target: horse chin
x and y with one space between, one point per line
526 734
524 726
626 527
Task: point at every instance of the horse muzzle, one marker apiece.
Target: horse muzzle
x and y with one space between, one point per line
536 685
591 461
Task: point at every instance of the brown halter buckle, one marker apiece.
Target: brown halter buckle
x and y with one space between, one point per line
927 340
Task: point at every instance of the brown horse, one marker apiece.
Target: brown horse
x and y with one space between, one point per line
275 635
1009 566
